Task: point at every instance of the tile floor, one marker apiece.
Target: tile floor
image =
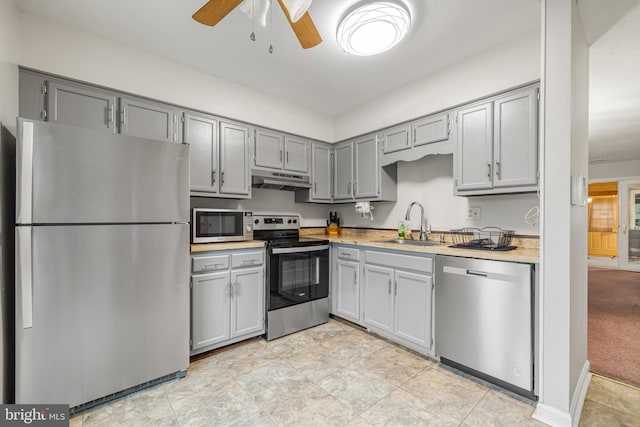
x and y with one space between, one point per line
335 374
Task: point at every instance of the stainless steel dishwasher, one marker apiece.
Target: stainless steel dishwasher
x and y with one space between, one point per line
484 320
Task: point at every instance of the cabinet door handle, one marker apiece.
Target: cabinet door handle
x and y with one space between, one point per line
498 170
355 187
389 285
221 178
213 177
489 170
236 290
315 188
287 157
280 155
123 116
355 278
414 136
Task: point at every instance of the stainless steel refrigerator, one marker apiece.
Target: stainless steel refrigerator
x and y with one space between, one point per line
102 269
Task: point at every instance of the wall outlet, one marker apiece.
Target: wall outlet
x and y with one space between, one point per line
473 214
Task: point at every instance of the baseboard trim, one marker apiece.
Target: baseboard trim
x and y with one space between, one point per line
580 393
558 418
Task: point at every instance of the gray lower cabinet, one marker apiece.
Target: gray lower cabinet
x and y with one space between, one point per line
227 298
346 289
235 170
147 119
397 298
496 149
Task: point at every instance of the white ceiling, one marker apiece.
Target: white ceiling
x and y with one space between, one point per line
322 78
329 81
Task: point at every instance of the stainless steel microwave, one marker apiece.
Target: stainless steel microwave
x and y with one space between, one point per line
221 225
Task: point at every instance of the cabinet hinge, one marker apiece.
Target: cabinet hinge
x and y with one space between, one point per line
43 89
43 115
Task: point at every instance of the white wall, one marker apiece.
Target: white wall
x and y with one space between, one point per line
429 181
614 170
506 66
8 113
263 200
48 46
563 362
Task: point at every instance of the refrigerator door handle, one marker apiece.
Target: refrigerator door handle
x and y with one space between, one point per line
24 271
24 184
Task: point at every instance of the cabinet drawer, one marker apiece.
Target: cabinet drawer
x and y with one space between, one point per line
349 253
247 259
209 263
399 261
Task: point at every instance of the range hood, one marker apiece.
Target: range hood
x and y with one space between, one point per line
279 180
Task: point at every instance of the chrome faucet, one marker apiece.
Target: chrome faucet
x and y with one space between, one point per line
423 231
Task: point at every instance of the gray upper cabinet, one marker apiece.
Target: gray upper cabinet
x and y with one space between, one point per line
148 119
235 173
366 167
343 171
296 154
431 129
268 150
474 155
515 148
80 106
201 132
275 150
497 144
321 171
396 138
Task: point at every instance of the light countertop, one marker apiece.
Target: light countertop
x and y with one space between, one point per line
225 246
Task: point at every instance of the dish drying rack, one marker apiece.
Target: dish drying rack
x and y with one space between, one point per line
489 238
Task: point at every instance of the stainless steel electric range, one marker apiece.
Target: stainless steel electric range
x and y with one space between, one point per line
297 275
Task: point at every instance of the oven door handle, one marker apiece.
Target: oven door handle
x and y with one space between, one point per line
301 249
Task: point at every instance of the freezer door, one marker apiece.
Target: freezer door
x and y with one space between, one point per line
108 309
68 175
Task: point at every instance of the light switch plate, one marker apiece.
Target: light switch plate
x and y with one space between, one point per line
473 214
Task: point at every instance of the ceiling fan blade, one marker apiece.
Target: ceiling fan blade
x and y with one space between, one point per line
304 28
213 12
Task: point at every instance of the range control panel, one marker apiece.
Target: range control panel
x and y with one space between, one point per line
276 222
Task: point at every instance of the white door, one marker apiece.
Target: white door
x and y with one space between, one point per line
235 176
378 297
412 314
248 303
629 225
348 295
210 296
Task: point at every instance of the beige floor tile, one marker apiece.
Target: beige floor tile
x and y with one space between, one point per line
355 345
357 389
316 362
403 409
596 414
290 344
445 391
149 407
358 422
394 364
310 406
272 381
615 395
500 410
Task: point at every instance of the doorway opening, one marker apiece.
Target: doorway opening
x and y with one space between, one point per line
603 224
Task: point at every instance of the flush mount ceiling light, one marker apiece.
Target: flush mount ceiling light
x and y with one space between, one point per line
373 27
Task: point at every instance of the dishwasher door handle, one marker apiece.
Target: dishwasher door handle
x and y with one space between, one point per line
476 273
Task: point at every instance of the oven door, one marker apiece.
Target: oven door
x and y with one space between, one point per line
298 275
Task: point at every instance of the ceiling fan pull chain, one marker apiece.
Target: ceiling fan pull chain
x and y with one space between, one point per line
253 21
270 26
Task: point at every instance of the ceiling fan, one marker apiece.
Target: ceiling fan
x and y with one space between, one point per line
304 28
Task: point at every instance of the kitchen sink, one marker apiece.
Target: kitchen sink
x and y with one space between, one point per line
413 242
